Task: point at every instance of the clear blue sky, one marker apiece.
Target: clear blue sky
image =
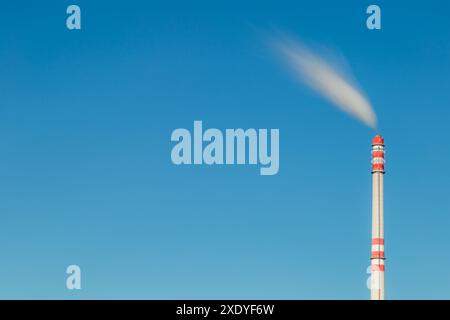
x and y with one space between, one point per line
86 176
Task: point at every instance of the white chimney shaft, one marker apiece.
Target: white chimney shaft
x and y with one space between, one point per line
377 256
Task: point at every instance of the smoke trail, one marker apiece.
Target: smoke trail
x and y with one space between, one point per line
327 80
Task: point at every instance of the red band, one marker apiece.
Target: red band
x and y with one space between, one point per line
377 154
377 254
378 241
378 267
378 167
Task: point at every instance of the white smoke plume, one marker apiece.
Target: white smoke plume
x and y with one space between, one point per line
327 79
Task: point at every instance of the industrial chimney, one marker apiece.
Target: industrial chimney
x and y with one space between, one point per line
377 256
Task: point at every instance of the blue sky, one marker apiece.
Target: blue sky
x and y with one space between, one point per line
86 176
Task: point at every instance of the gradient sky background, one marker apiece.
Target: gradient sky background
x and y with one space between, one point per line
86 176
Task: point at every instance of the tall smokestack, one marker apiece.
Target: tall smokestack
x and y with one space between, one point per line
377 256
